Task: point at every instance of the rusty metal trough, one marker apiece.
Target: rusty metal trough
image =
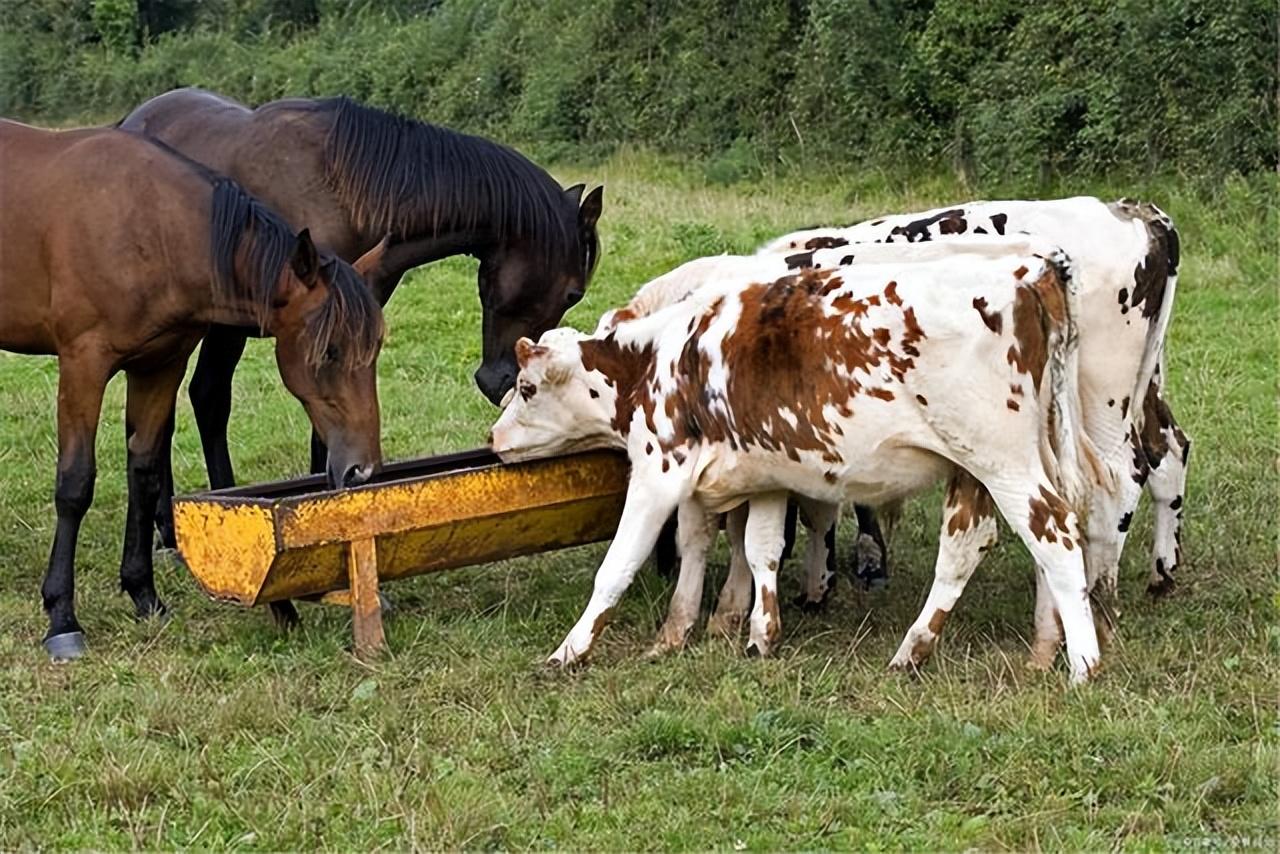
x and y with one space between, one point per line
292 539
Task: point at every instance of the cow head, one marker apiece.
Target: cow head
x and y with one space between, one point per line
557 405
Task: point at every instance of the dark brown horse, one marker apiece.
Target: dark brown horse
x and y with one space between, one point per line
354 174
117 254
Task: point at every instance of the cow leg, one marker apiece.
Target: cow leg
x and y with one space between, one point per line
764 539
697 529
871 556
735 596
650 500
1056 548
968 531
1167 449
820 554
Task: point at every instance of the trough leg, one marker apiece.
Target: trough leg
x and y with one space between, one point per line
366 608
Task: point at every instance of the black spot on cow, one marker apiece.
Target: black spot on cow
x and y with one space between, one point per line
979 230
595 393
1125 521
1124 296
998 221
877 222
848 259
799 261
1186 449
1111 402
825 242
1175 503
1124 407
917 231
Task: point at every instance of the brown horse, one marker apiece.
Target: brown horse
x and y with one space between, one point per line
117 254
354 174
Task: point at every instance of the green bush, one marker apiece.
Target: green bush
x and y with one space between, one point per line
1004 90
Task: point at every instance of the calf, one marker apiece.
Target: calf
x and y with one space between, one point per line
865 382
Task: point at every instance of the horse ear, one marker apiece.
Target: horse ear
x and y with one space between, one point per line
589 213
305 260
369 264
574 193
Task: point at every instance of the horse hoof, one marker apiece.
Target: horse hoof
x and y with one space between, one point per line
65 647
150 608
1160 589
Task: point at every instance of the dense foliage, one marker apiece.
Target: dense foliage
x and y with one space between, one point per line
1000 88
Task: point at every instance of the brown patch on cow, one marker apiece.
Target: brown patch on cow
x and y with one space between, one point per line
1049 507
598 626
648 447
622 315
1012 404
1038 309
891 294
1067 544
626 367
769 604
882 393
825 242
679 457
1014 388
1020 272
829 477
1157 422
967 501
782 325
666 464
993 319
937 621
920 398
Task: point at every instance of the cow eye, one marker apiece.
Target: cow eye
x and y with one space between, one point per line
527 389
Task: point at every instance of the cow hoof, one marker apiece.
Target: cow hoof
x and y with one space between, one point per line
725 625
65 647
1042 656
810 606
1160 589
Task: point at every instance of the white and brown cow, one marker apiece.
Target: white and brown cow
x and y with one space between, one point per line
866 382
1125 256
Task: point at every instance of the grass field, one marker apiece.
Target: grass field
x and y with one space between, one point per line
215 730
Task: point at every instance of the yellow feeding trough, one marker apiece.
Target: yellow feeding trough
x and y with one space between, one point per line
292 539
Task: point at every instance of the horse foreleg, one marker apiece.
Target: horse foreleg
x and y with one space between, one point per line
148 414
210 392
80 385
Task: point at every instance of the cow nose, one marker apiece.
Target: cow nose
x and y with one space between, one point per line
356 475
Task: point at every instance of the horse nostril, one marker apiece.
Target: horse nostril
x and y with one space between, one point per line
356 475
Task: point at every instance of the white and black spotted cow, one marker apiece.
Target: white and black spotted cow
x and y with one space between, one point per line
1126 257
866 382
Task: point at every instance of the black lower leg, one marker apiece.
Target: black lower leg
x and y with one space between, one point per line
871 570
664 551
164 499
136 574
73 495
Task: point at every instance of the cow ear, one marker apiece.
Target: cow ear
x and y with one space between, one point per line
369 264
526 351
305 260
574 193
589 213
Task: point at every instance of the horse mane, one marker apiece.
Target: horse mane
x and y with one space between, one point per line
400 175
349 314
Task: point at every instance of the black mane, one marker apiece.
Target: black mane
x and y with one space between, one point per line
239 222
402 176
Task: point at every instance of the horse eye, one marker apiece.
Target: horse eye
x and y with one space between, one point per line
332 353
574 297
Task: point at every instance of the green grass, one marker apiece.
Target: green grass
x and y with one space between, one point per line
214 730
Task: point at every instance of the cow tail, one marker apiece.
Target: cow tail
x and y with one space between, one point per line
1078 464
